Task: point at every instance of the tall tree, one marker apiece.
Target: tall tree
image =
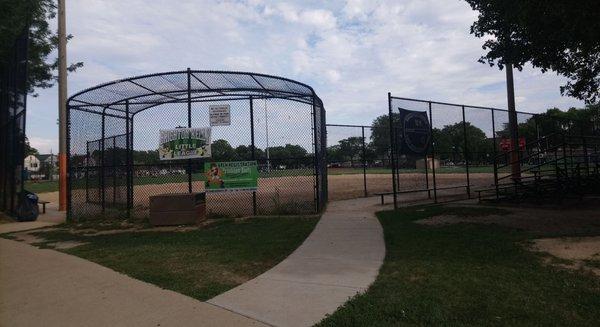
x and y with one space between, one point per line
14 17
450 142
380 134
556 35
351 149
222 150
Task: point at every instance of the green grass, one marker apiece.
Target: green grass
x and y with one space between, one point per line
41 186
467 274
52 186
201 263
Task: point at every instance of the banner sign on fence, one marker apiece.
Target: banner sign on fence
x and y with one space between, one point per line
219 115
184 143
415 133
231 176
506 144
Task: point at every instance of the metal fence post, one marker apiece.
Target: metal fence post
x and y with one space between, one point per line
495 155
127 160
316 155
392 150
253 148
189 114
466 152
364 156
427 175
432 153
103 195
87 171
114 169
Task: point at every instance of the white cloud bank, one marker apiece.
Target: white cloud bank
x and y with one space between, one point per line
352 52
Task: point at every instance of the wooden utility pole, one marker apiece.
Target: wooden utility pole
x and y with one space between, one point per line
62 106
513 124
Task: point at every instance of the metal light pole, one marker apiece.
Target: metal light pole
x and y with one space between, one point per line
62 106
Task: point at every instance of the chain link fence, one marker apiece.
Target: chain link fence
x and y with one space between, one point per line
13 96
457 159
114 136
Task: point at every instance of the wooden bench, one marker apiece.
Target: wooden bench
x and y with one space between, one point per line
43 203
421 190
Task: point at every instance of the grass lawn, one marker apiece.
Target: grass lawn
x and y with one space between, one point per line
52 186
199 263
41 186
467 274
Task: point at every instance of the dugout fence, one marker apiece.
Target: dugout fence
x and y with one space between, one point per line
113 137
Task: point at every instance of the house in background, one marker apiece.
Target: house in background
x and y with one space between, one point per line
31 164
41 166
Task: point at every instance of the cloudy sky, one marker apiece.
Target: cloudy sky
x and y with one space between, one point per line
352 52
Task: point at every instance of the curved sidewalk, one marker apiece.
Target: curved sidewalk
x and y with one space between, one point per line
48 288
339 259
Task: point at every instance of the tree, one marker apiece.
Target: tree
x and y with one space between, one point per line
450 142
14 16
583 121
222 150
556 35
334 154
29 150
380 134
351 148
244 152
292 156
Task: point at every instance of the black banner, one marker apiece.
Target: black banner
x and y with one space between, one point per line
413 132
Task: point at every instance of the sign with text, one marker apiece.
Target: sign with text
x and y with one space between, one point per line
231 176
415 134
506 144
184 143
220 115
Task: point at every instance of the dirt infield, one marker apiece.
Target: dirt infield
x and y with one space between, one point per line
281 195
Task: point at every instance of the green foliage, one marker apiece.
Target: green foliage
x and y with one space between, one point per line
450 142
29 150
351 148
14 16
583 121
380 134
221 150
556 35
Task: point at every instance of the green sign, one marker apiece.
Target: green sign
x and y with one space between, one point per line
184 143
231 176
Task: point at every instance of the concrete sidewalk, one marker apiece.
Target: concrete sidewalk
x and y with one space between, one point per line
48 288
339 259
50 218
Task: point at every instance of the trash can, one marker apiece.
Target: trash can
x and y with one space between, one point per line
28 208
177 209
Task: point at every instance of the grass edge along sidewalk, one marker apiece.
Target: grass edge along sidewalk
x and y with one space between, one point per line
200 263
467 274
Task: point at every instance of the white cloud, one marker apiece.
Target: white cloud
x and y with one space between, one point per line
352 52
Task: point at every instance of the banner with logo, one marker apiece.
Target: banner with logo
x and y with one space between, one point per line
231 176
184 143
414 132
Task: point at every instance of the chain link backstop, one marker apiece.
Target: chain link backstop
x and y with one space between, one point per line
114 165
